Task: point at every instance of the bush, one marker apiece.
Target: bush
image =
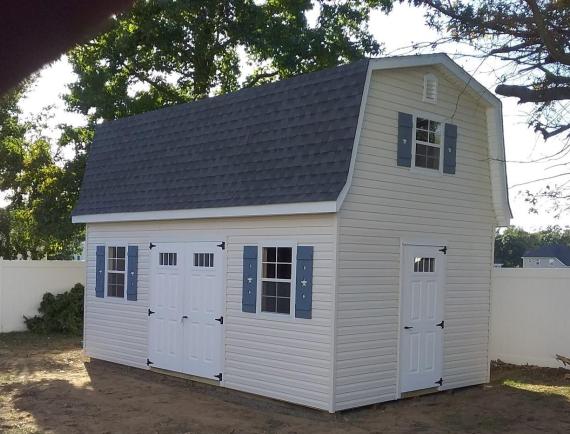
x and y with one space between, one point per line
62 313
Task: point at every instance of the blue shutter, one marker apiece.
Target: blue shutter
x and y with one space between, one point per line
100 272
304 282
249 290
132 272
450 148
405 131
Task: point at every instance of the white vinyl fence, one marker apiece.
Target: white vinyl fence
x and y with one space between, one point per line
23 283
530 315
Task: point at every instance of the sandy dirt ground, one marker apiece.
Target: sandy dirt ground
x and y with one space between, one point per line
47 385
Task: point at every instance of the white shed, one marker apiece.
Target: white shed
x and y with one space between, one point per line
325 240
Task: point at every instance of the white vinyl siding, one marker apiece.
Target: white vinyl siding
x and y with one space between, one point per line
386 204
283 358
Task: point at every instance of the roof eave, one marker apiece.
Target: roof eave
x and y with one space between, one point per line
200 213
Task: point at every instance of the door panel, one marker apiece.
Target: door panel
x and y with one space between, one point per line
421 355
204 302
165 334
187 297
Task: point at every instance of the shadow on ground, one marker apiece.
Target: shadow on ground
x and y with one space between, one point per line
104 397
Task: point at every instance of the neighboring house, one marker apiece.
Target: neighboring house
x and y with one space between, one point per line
547 257
325 240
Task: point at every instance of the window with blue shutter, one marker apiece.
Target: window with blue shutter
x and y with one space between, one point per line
100 272
304 282
405 134
276 274
450 148
132 272
249 289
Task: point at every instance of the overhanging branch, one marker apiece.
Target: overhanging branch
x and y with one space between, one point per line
555 49
524 94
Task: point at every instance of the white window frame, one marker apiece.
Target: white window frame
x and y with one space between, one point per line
107 297
425 170
275 315
167 265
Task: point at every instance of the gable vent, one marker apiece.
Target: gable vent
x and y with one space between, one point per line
430 88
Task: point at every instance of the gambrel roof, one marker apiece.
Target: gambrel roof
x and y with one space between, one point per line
286 142
282 148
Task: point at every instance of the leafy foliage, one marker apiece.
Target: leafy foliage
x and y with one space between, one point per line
511 244
157 54
40 186
531 36
62 313
161 53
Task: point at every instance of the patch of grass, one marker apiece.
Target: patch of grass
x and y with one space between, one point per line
31 341
544 389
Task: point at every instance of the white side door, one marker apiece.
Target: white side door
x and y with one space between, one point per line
421 334
165 311
203 307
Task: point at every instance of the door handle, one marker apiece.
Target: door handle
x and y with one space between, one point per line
408 327
184 317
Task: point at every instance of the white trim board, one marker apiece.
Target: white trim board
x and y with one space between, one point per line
237 211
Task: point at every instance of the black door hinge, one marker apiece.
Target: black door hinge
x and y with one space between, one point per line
219 376
148 362
150 312
441 324
443 250
150 246
220 319
222 245
440 381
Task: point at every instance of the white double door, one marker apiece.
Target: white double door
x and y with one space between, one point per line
186 308
422 324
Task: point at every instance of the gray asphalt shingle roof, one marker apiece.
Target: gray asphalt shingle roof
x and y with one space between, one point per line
286 142
559 251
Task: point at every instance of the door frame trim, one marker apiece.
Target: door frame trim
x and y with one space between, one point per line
418 242
208 239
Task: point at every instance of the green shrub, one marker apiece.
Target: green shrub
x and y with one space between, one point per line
62 313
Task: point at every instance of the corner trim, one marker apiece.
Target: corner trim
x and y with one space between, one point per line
363 101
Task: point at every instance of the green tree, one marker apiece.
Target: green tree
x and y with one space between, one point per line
39 186
5 245
157 54
162 53
513 242
510 246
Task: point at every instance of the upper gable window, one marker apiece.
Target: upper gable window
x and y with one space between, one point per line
430 88
428 143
